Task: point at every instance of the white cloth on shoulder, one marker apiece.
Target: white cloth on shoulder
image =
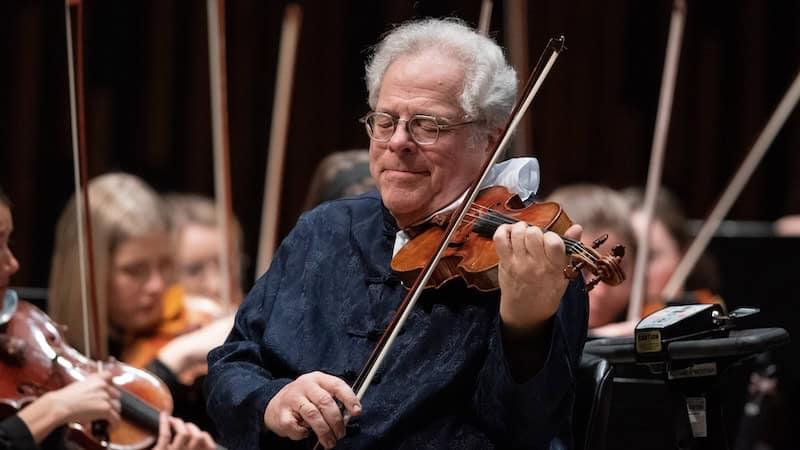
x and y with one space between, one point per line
519 175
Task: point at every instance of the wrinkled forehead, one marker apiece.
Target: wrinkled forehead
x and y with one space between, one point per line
429 63
423 77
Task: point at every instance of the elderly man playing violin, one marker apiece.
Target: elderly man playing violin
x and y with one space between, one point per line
469 369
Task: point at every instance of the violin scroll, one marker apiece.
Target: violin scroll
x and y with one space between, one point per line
604 268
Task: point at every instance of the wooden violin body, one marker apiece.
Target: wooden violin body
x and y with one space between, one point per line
34 359
471 254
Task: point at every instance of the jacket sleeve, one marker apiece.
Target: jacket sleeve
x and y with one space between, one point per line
15 435
537 411
240 383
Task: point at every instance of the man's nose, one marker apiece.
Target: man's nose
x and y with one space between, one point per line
401 140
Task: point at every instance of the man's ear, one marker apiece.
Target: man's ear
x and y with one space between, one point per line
492 140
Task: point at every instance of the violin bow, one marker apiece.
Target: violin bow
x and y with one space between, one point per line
734 188
93 346
485 18
279 130
515 17
657 154
217 69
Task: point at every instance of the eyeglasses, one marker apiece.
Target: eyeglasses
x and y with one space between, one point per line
424 130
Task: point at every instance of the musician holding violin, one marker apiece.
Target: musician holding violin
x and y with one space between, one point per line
150 321
94 398
471 368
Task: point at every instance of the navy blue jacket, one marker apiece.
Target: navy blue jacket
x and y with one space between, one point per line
323 304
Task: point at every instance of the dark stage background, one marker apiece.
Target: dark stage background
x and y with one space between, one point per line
148 101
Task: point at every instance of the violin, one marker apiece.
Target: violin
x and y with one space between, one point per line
35 359
471 255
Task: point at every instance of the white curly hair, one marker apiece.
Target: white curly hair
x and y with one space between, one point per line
490 83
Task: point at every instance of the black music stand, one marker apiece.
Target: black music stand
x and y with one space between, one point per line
691 370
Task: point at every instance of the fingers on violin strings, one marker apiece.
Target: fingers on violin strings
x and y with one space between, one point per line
575 231
502 241
532 240
519 231
554 249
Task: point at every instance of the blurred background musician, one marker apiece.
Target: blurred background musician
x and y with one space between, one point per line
340 174
149 322
38 425
198 241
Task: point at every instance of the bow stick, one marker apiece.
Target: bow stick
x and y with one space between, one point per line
657 154
734 188
486 17
270 208
217 70
92 346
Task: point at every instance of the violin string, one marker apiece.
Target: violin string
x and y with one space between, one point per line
572 246
508 220
494 218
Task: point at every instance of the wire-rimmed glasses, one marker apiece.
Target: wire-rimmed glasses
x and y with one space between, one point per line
423 129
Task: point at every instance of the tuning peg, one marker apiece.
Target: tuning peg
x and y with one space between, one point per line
599 241
571 271
591 284
618 251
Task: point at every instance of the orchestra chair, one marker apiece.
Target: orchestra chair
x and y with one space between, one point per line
595 380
